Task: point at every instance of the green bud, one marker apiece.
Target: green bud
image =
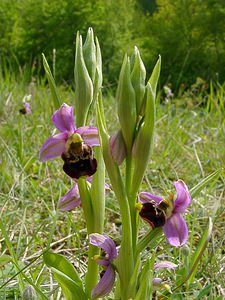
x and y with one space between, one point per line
126 104
153 80
83 85
98 73
29 293
185 250
118 148
89 53
87 74
138 76
143 143
142 146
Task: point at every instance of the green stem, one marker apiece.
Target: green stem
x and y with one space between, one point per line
91 277
132 200
150 239
125 261
98 192
98 213
86 204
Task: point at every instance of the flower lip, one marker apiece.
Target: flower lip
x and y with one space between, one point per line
153 215
78 160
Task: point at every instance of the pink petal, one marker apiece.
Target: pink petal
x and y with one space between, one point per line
144 197
105 284
63 118
105 243
165 265
89 134
183 197
70 200
53 147
27 108
176 230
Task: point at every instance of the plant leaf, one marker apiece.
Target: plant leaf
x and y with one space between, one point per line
65 275
211 179
55 96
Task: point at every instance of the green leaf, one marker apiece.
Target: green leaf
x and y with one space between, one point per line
197 255
204 292
211 179
153 80
200 250
55 96
145 280
65 275
4 259
134 278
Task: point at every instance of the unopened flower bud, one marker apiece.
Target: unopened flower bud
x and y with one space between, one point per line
29 293
126 104
143 143
185 250
138 76
83 84
118 148
87 74
89 53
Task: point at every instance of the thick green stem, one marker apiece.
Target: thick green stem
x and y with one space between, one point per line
132 200
150 239
86 204
125 261
98 192
98 212
91 277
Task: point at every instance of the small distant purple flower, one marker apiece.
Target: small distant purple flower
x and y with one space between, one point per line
72 198
26 110
105 284
167 213
74 145
156 281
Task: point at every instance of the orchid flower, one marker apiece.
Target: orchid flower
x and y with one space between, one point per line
106 282
72 198
167 213
74 145
26 110
158 282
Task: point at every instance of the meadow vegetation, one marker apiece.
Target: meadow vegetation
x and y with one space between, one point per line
189 144
189 35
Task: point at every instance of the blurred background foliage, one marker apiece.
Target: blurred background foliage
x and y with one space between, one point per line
189 35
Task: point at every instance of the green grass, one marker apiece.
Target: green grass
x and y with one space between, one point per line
189 144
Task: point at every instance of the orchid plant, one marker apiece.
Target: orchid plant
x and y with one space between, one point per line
85 152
